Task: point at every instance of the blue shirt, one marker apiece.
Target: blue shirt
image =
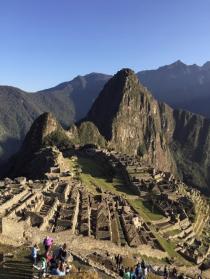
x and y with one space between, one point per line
34 252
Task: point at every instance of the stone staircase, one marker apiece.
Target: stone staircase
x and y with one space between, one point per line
17 270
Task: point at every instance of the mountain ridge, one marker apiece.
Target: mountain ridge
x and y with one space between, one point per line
71 100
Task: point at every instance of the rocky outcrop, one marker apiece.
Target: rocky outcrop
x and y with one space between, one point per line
129 117
43 126
88 134
45 131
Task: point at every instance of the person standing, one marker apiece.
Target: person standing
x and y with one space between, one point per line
62 254
48 242
138 271
132 274
165 272
127 274
143 266
34 253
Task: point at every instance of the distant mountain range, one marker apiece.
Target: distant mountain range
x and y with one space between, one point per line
179 85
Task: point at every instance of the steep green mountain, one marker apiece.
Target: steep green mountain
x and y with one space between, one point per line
133 122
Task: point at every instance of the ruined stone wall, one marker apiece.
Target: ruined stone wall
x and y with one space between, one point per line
12 201
49 215
34 198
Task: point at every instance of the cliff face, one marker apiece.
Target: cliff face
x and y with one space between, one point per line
129 117
190 145
133 122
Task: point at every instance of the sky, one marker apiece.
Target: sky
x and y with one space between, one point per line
46 42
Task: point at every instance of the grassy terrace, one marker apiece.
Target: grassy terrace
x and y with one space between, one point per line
96 173
173 232
145 210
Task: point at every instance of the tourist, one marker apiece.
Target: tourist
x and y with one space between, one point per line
138 271
53 263
174 272
118 260
34 253
62 253
143 266
165 272
41 267
132 274
121 271
48 256
60 270
48 242
145 272
127 274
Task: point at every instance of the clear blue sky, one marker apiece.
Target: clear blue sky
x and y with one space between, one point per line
45 42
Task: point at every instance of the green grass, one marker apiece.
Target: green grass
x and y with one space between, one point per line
98 174
145 210
169 247
172 232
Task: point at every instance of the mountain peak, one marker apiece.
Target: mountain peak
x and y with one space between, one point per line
124 74
206 66
179 62
44 125
122 90
176 65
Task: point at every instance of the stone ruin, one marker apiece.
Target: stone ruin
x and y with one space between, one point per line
64 204
60 202
185 212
